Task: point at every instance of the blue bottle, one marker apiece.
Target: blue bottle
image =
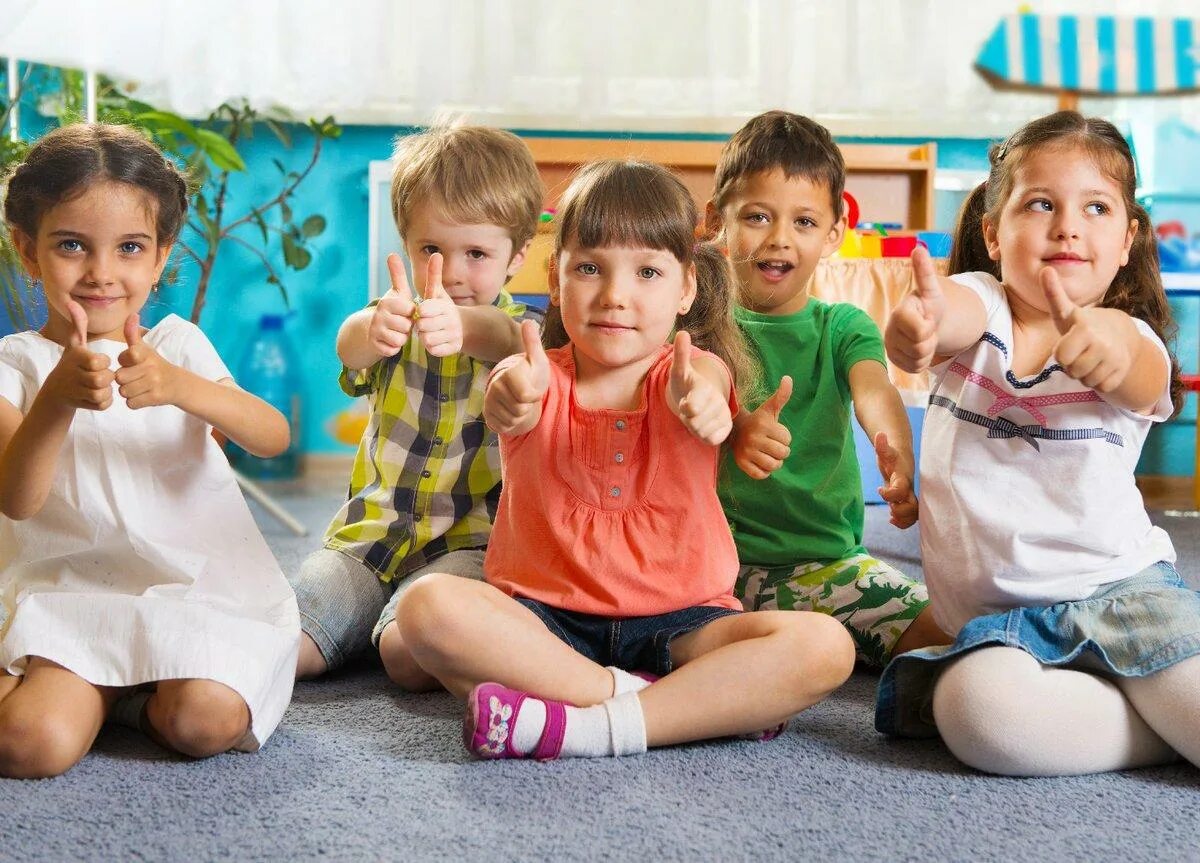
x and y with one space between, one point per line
271 371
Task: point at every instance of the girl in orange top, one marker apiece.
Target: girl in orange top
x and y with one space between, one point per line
610 552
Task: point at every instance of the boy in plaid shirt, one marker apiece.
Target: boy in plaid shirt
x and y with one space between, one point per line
426 478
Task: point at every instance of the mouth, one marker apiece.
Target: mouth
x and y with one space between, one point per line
1064 258
94 302
610 328
774 270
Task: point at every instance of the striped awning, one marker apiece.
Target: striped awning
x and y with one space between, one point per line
1093 54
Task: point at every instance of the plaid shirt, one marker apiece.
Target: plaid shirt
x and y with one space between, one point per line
426 477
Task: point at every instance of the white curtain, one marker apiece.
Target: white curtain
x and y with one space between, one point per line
868 67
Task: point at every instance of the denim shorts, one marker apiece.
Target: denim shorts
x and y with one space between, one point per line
344 606
631 643
1130 628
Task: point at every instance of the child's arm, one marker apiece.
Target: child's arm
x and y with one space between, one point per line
30 444
939 318
881 413
760 441
371 334
146 379
1102 349
513 402
698 393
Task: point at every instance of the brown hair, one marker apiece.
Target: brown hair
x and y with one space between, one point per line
1137 288
476 175
629 203
792 143
68 160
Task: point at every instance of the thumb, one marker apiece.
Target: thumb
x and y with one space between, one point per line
774 405
885 455
133 330
79 318
681 365
535 354
433 278
1062 310
397 275
928 290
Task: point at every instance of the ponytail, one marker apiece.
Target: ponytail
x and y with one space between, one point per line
968 251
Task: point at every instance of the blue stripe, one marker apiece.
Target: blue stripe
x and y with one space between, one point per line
1185 63
1106 36
1143 54
1031 49
1068 51
994 56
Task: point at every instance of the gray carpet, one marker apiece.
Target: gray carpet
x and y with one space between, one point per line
359 770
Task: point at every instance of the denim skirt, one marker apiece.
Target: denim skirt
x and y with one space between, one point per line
1130 628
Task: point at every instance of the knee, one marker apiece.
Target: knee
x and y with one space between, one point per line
37 747
402 669
429 616
201 718
818 651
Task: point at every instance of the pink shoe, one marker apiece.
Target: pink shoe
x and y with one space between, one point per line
492 715
759 736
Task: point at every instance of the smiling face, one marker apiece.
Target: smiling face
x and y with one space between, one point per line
1066 213
778 228
619 304
476 259
99 249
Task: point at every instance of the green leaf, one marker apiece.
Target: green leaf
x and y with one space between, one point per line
313 226
280 131
262 226
224 155
285 210
280 166
291 252
166 120
202 207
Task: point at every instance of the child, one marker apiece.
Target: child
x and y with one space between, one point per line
610 548
127 555
797 511
1076 641
426 478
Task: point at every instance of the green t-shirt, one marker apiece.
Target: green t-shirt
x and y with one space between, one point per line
811 509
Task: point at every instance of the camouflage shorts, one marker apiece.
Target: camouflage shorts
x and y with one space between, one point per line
876 602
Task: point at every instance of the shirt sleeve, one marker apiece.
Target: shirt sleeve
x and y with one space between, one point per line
14 385
363 382
986 287
1164 407
856 338
185 344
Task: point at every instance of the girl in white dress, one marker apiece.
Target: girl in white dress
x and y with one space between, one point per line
131 571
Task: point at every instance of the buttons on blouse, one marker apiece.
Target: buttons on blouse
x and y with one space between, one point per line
615 491
426 474
437 441
445 398
619 458
620 425
416 516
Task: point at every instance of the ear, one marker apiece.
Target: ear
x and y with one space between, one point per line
552 278
518 259
713 220
991 239
27 251
164 255
689 289
837 233
1129 235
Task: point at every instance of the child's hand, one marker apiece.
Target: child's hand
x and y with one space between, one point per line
762 442
439 321
700 406
1096 347
81 379
897 488
517 391
392 321
145 379
911 332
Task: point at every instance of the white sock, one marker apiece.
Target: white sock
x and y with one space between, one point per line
624 682
128 710
616 727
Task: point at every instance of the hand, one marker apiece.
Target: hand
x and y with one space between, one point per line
897 488
911 332
701 407
393 318
145 378
439 322
517 391
761 441
81 379
1096 346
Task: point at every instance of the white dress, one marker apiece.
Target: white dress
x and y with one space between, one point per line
144 564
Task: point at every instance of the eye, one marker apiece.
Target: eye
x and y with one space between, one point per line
1040 205
756 218
429 250
587 269
130 247
805 222
649 273
477 254
1096 209
70 245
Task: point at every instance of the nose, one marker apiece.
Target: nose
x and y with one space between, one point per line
452 271
99 270
779 237
615 293
1065 225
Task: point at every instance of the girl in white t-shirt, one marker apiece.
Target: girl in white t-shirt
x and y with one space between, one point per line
1077 644
133 581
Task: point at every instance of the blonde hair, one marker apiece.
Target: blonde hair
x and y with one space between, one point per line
477 175
629 203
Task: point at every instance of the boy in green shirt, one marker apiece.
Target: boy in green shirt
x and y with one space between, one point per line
797 511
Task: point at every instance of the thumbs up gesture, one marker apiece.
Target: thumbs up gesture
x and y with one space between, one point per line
701 407
82 379
392 320
911 332
439 322
513 402
1096 346
761 442
145 378
897 488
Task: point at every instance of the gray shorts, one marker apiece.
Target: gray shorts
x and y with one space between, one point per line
344 607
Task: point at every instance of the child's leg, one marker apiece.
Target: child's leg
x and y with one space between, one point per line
922 632
49 719
398 660
196 717
1169 701
999 710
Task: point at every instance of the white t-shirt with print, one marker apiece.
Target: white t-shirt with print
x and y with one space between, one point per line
1027 486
